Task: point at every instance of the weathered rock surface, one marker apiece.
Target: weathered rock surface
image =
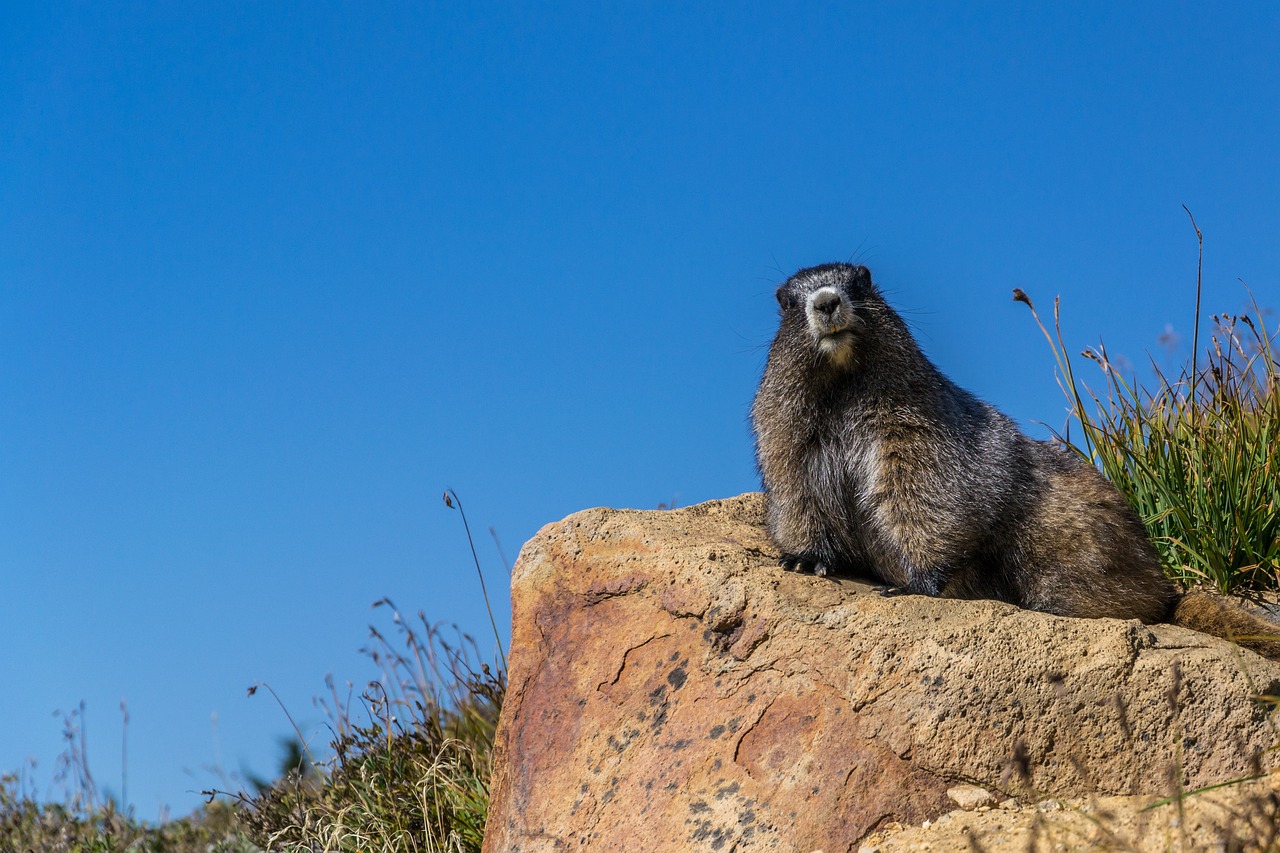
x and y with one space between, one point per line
671 688
1243 817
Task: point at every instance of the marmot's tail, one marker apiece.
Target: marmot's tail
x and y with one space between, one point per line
1223 617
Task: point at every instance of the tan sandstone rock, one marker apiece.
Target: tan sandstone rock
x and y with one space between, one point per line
671 688
970 797
1243 817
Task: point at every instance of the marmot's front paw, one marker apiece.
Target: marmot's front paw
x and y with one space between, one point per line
805 564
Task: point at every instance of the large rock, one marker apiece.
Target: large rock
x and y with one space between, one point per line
672 689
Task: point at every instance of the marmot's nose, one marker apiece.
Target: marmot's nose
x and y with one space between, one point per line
826 303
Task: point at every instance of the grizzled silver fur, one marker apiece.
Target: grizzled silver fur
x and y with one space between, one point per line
876 463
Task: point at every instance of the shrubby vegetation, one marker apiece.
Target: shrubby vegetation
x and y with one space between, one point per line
408 771
411 760
94 825
1197 453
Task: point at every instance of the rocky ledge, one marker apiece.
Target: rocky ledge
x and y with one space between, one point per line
671 688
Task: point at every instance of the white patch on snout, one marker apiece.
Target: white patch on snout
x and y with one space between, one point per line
832 332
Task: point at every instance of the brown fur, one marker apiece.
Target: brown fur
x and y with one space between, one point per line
874 462
1210 613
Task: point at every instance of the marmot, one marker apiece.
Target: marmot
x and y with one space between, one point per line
875 463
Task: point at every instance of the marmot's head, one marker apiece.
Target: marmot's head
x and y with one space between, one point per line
830 305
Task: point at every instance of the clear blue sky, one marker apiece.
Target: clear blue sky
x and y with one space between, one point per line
274 275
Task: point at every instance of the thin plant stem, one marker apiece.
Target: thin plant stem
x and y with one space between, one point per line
124 755
450 499
253 688
502 554
1195 331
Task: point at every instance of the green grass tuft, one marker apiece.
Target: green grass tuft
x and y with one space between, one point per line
412 774
27 824
1197 454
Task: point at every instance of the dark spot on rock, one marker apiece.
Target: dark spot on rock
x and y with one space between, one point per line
716 766
658 695
751 697
746 817
699 806
727 791
735 724
607 796
705 831
682 743
675 656
716 731
627 738
583 789
678 677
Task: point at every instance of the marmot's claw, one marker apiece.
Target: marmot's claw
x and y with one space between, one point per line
889 591
805 564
